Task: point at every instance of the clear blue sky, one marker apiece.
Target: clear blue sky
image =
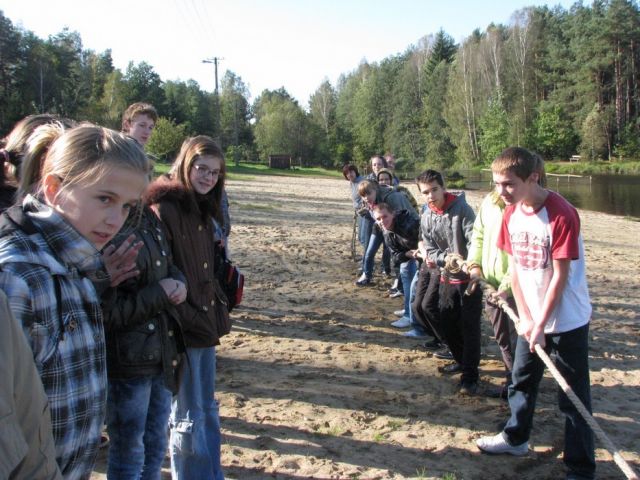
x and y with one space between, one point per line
269 44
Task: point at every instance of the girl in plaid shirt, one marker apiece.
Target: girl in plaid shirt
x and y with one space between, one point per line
50 245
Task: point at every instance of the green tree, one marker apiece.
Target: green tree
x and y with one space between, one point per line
166 139
594 143
280 125
439 149
552 134
12 102
322 115
143 84
494 130
235 112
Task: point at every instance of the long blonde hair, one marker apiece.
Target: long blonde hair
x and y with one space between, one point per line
35 151
83 155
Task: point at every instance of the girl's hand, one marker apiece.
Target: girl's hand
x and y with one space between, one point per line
120 263
176 291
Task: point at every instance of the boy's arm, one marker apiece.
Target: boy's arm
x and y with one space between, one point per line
551 299
474 256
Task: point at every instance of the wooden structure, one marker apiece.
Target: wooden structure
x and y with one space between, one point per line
575 158
282 161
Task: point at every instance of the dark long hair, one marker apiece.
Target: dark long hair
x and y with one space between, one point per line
192 149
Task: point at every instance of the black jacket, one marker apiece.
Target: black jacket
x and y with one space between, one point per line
142 326
404 235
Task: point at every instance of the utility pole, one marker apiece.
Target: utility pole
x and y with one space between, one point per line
216 120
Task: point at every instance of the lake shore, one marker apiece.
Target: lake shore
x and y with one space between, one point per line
314 383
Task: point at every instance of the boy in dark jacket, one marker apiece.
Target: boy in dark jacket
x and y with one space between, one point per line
446 228
373 194
401 230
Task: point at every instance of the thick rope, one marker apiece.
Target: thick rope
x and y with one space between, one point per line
617 457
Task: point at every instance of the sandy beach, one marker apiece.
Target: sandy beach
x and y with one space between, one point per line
313 382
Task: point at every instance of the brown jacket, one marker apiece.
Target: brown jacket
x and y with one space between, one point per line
190 234
26 441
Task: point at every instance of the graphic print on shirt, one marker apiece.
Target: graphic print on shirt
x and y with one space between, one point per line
530 251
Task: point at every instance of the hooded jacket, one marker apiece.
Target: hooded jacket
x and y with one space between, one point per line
395 199
191 236
448 232
486 229
403 236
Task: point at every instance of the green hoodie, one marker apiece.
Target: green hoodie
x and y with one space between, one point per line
483 250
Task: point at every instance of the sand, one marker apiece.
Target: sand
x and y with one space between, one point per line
314 383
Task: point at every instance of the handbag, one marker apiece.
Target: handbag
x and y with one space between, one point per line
223 320
229 277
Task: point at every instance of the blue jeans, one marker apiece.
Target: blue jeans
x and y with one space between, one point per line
364 230
137 423
195 424
572 360
375 241
407 273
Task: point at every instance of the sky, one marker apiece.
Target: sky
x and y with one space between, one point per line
295 44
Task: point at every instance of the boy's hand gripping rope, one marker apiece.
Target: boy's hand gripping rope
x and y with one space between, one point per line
457 262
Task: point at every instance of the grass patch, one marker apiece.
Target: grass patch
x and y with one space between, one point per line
248 171
396 424
593 168
260 169
256 206
378 438
334 431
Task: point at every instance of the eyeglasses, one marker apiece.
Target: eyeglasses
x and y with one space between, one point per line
204 171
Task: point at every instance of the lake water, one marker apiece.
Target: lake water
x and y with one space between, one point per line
615 194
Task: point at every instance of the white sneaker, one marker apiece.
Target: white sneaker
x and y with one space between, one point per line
413 333
363 281
399 313
404 322
498 444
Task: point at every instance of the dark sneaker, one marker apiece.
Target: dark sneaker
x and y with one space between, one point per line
433 344
501 392
444 354
363 281
451 368
468 388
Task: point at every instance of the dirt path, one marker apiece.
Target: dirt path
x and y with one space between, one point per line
314 383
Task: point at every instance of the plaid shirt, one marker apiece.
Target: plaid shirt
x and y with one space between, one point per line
43 274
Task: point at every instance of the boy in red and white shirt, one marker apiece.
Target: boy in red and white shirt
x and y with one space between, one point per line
541 234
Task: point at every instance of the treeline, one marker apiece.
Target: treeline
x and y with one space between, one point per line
561 82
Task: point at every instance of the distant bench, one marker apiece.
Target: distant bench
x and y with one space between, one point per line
575 158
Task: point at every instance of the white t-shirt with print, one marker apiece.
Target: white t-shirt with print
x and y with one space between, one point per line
535 239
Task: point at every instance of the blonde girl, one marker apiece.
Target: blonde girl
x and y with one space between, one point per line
187 200
92 178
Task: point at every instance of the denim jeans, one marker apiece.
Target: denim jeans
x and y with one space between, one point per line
195 423
137 423
407 272
572 360
364 230
460 318
376 239
415 324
